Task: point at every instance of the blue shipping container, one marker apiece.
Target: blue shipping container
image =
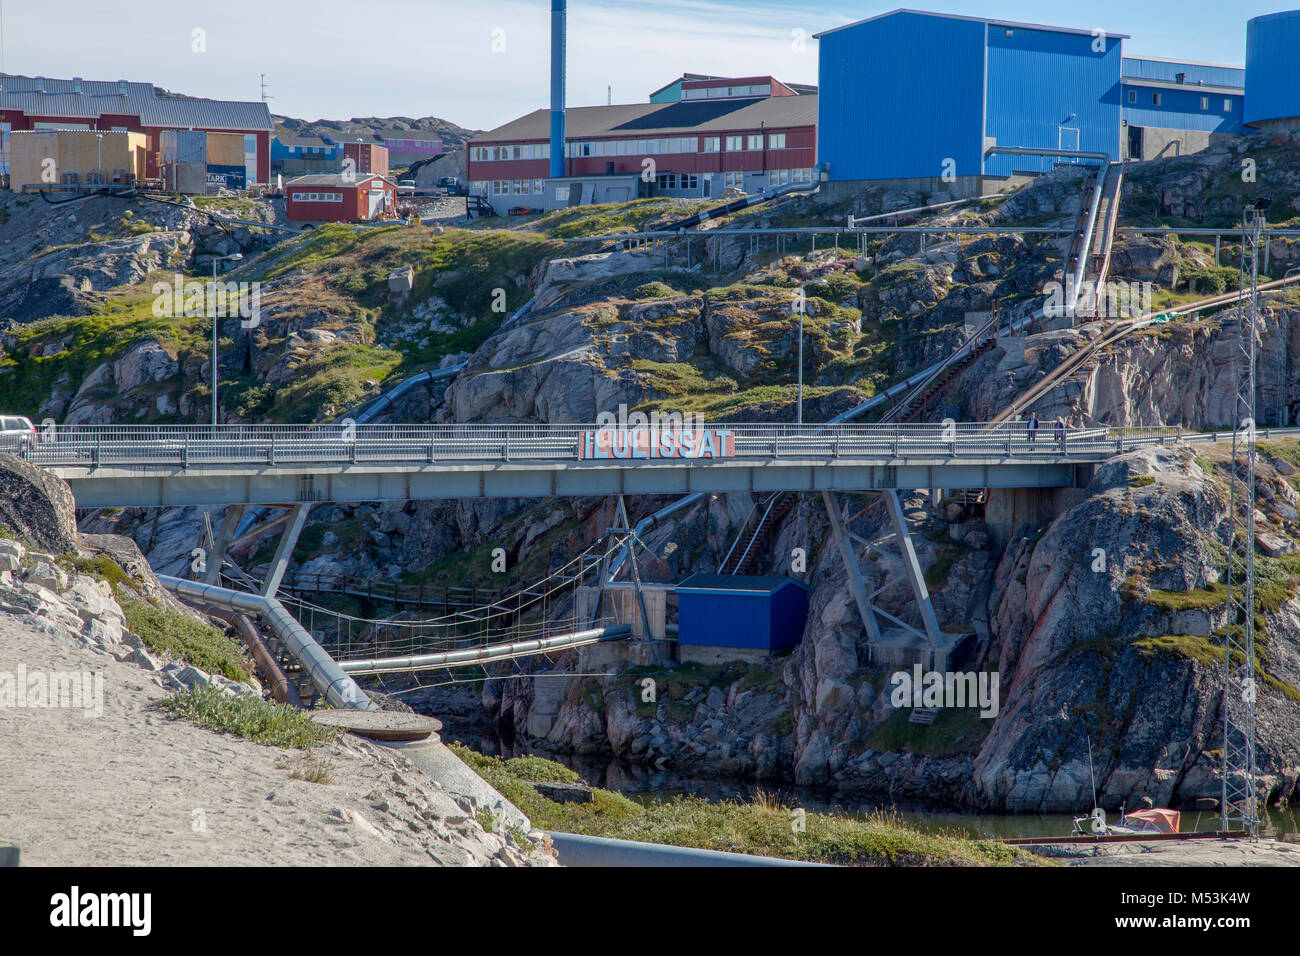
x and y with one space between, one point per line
750 611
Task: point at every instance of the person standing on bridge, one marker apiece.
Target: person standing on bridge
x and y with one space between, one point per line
1031 430
1060 433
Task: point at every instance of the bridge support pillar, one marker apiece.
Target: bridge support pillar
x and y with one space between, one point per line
283 550
934 641
229 523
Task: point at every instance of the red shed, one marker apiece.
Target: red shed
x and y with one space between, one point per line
339 198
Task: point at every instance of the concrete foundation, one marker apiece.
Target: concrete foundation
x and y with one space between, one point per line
702 654
1008 509
619 605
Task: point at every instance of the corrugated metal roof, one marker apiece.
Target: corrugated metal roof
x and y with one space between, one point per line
154 106
582 122
333 179
952 16
741 583
315 142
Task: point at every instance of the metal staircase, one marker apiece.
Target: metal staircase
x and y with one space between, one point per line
757 534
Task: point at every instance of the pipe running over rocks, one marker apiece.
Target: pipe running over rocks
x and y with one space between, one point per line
488 653
338 689
282 688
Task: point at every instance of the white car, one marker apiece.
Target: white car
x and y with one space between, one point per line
406 187
16 434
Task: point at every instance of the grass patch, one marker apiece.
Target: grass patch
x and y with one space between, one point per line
763 827
177 635
956 730
273 725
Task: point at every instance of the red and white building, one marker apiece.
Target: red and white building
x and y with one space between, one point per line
42 103
697 137
338 198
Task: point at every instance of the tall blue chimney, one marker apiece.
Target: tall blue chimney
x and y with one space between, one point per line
557 88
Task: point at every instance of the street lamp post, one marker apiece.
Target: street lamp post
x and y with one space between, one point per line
801 305
212 304
99 158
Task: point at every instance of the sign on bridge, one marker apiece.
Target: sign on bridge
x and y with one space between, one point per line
630 443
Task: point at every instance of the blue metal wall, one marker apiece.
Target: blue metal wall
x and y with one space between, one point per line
1036 79
750 619
1181 109
1272 76
1168 71
899 95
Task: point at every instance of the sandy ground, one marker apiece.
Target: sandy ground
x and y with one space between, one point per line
1188 853
132 787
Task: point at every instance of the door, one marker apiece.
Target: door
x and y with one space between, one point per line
1067 137
1135 143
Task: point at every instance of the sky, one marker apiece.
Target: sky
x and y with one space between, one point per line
481 63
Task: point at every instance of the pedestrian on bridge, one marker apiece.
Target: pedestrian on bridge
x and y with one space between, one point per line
1031 430
1060 433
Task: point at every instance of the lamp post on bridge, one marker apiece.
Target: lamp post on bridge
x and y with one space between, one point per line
212 304
800 306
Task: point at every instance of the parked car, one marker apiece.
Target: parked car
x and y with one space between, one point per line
406 187
17 434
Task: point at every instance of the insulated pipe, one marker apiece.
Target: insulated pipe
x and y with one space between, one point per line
483 655
338 689
282 688
576 849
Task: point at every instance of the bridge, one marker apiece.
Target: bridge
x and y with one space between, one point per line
179 465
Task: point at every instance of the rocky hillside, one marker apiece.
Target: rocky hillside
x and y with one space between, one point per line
709 325
451 135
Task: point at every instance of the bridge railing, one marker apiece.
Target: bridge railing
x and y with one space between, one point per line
333 444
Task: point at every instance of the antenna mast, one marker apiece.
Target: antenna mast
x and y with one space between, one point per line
1240 801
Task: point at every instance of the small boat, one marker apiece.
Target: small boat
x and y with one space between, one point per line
1151 820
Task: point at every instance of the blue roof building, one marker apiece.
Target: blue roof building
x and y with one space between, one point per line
1175 106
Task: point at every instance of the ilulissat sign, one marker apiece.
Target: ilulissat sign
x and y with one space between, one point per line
630 443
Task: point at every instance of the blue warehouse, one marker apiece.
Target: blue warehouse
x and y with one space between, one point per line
931 99
916 95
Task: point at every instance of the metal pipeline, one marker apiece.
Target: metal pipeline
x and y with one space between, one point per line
282 688
576 849
338 689
484 655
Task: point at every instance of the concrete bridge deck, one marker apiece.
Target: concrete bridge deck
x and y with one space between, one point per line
164 466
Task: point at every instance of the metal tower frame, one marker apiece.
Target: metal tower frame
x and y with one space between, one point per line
1240 801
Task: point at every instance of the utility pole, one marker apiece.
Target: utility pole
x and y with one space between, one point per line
1239 806
801 306
264 96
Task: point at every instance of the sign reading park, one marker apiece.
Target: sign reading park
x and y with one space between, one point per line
635 443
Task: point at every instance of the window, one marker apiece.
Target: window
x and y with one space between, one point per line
1155 99
539 186
778 177
519 189
1133 96
733 143
776 141
562 193
1227 105
712 144
1205 102
500 187
754 142
733 181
